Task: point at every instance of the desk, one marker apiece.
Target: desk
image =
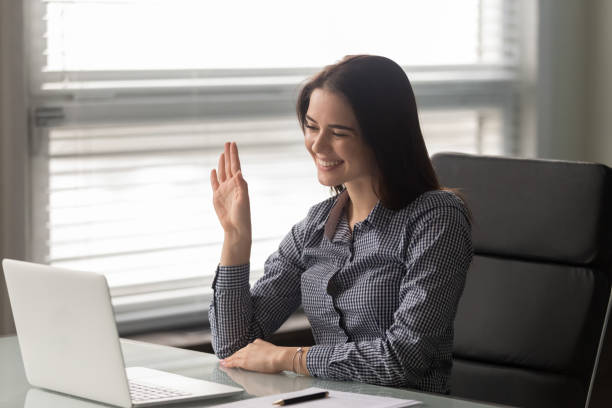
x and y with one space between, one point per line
14 386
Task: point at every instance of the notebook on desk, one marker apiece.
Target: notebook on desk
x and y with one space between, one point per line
69 341
335 399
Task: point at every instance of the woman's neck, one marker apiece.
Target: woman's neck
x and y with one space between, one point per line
362 200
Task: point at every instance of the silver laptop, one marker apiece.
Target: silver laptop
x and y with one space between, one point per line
69 342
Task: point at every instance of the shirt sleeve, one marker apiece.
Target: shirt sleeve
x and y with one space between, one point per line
238 314
438 254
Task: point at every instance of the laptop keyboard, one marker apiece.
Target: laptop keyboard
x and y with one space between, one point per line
142 392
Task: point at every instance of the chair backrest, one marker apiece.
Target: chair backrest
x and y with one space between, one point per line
530 320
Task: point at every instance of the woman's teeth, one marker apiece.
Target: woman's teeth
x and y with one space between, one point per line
329 163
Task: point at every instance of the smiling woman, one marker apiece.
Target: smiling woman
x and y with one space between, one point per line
383 115
379 268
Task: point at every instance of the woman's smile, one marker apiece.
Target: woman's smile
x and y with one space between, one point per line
328 165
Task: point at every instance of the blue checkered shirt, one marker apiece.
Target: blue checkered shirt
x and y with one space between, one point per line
381 300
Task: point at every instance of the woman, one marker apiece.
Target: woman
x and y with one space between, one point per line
379 268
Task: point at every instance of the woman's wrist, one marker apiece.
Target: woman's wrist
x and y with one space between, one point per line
236 250
285 357
303 366
293 359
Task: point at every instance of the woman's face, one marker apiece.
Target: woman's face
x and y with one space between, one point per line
333 139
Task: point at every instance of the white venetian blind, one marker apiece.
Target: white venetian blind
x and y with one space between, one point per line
107 35
134 99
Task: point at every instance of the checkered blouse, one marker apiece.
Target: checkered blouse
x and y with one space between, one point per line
381 300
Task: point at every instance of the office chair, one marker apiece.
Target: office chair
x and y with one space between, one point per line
532 316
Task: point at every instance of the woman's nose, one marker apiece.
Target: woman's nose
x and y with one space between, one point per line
320 143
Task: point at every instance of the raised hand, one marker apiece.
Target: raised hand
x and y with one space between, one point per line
231 202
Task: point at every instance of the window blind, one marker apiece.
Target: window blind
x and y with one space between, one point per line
108 35
128 122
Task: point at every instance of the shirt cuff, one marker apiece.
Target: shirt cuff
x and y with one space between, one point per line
317 360
231 277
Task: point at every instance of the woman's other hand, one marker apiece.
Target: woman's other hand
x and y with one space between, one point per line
261 356
231 202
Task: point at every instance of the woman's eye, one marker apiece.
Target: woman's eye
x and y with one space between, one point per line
315 128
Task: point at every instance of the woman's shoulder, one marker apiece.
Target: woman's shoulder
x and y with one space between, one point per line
436 202
440 198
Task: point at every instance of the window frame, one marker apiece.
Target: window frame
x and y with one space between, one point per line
127 96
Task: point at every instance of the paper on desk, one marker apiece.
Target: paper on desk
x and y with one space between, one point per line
335 399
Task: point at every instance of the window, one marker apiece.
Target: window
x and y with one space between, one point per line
132 101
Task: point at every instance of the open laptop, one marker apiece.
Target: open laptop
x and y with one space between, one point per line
69 341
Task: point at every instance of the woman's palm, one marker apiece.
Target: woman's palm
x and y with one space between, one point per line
230 194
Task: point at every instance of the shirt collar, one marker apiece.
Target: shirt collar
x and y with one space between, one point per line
331 221
380 215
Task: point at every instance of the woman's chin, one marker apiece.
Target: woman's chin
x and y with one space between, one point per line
324 181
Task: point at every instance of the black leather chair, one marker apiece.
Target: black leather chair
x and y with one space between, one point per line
530 320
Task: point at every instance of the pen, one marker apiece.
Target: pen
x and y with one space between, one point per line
303 398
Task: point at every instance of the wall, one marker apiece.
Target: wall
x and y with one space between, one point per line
13 147
574 80
598 146
560 92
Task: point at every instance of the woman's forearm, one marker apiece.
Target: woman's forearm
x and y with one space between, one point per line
236 250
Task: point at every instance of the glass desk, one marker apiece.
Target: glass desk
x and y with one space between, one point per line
16 392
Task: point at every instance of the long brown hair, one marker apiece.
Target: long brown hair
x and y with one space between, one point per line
382 99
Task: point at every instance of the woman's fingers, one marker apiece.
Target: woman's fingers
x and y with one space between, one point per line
214 181
221 166
235 161
232 361
229 363
228 161
228 166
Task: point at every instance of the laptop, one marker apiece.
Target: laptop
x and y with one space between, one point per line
69 341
